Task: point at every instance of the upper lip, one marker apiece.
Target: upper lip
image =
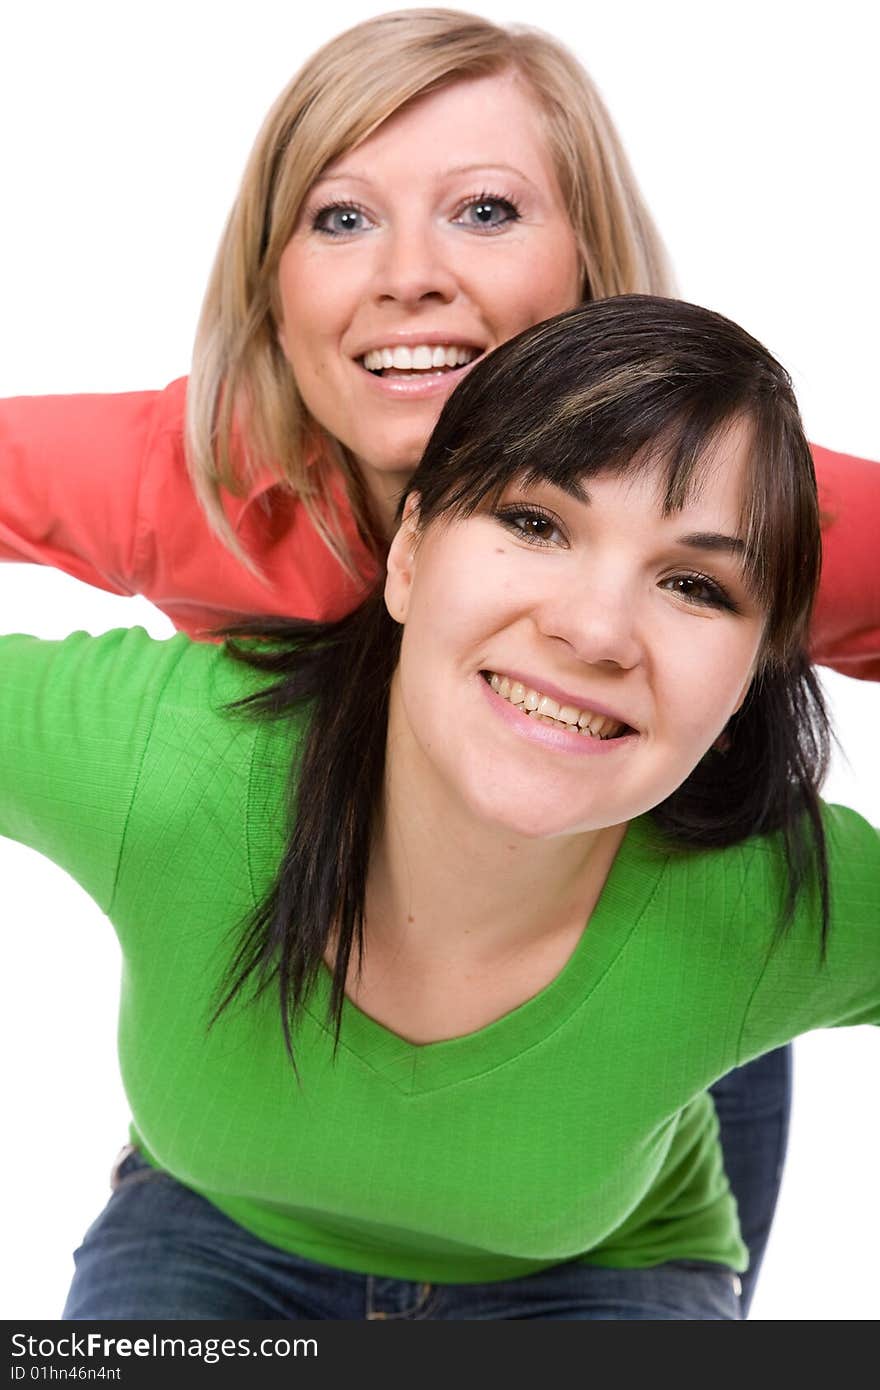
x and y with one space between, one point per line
564 697
413 337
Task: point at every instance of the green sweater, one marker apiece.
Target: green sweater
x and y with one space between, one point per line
576 1126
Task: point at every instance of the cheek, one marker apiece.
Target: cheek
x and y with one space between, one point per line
555 281
310 306
441 625
460 598
702 683
531 299
525 287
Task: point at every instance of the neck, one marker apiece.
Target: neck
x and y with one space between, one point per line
382 492
444 883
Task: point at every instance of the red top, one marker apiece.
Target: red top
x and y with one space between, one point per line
98 486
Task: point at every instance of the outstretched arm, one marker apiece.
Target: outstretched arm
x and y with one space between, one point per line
98 486
75 720
71 471
846 622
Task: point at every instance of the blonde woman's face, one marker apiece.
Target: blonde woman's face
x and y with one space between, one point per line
438 238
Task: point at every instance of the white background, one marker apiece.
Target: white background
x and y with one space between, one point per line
753 130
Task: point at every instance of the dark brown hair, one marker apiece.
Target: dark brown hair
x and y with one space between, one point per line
628 383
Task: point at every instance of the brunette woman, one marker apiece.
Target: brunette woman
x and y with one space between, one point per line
439 1045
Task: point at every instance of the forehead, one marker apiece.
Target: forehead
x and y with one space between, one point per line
463 126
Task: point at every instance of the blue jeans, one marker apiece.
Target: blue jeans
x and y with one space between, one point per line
159 1251
753 1105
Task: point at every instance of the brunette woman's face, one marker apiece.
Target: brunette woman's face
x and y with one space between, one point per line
632 633
434 241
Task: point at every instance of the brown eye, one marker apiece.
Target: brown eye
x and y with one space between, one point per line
533 525
690 587
700 590
537 526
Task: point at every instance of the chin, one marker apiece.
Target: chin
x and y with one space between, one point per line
399 449
534 822
399 456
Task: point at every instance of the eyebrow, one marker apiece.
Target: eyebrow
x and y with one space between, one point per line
456 169
570 486
713 540
489 164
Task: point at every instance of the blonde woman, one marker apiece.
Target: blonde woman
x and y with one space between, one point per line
268 482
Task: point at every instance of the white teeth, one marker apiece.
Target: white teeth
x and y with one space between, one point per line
548 711
420 358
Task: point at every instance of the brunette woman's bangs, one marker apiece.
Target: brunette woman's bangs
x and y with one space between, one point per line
638 384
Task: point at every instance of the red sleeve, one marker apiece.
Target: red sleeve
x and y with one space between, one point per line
846 623
70 472
98 486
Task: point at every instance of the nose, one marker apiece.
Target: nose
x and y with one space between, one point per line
599 625
412 267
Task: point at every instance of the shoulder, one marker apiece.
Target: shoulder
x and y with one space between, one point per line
200 685
128 669
168 409
202 676
803 983
203 753
746 885
852 848
853 863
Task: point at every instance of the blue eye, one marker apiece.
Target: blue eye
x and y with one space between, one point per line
488 212
340 219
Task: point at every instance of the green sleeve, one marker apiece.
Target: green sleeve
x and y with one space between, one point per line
796 991
75 722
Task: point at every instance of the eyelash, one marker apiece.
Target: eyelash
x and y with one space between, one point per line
322 212
716 594
509 516
504 201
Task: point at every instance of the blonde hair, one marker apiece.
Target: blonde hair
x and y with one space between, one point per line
244 412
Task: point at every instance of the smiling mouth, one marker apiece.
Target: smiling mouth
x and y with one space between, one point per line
546 710
440 359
